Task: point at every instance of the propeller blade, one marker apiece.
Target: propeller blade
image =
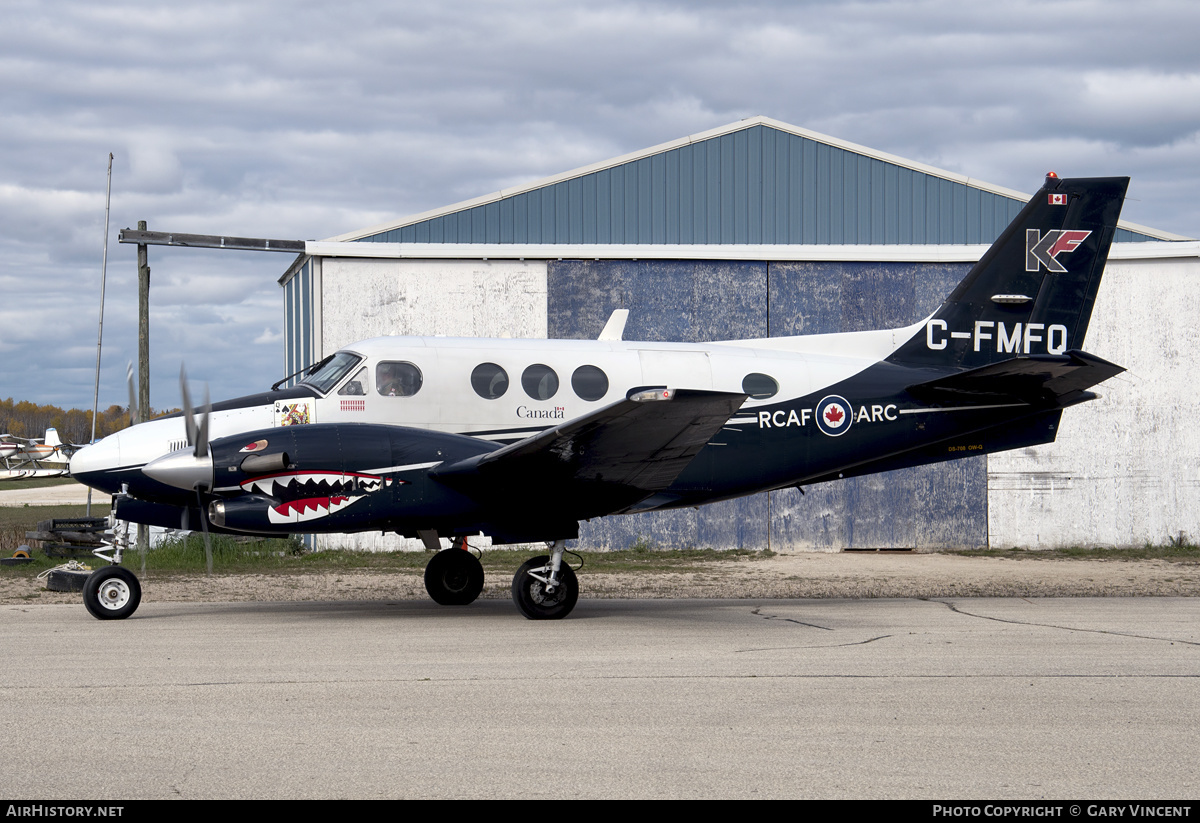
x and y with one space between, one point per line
133 409
202 437
189 421
204 526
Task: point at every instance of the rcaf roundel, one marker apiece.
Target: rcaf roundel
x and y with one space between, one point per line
834 415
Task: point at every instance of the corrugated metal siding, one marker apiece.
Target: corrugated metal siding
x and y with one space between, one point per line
757 185
299 344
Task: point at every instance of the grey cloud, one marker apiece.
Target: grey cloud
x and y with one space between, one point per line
307 120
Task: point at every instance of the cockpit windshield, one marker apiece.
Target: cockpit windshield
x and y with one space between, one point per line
329 373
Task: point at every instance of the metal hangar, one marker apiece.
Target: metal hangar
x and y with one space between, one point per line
758 229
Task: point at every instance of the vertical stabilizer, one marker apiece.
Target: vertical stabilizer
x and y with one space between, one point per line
1032 292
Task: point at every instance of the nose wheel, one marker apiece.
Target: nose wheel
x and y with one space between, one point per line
112 593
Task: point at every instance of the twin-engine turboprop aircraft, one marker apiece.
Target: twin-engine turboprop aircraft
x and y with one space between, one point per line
521 439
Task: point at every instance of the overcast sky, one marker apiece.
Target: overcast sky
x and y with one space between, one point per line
304 120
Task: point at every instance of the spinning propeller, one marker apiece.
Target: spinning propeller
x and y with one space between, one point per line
197 437
189 470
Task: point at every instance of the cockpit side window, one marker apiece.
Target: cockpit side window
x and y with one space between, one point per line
331 371
397 379
356 386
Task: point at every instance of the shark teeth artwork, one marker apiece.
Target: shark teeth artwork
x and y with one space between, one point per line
312 495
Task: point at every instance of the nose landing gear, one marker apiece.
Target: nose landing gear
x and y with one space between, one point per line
112 592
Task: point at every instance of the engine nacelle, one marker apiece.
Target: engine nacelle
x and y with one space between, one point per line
334 478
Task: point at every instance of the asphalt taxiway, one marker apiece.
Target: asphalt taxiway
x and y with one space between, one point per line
962 698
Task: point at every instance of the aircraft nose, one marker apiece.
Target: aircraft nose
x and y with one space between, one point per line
92 464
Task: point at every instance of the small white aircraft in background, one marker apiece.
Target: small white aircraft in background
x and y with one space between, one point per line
521 439
23 458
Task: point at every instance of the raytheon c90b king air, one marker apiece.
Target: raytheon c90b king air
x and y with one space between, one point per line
418 435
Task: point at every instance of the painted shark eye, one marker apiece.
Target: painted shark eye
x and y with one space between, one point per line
489 381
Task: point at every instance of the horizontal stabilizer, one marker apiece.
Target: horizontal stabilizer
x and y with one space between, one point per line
642 443
1050 380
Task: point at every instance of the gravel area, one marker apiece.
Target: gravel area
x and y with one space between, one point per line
845 574
849 574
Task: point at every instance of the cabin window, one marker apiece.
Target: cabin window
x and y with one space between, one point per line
397 379
540 382
356 386
589 382
760 386
489 381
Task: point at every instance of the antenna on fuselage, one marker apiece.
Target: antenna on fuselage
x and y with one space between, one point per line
614 329
133 406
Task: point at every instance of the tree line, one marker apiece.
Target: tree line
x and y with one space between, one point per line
22 418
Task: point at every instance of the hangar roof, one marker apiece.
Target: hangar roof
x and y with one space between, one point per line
754 182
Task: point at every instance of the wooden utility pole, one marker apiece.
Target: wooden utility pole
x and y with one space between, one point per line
143 259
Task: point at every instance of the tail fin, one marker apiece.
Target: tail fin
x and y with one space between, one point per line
1033 291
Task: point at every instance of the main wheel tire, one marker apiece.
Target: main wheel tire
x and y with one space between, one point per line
531 597
112 593
454 577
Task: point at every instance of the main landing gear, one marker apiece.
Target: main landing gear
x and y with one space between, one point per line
112 592
545 588
454 576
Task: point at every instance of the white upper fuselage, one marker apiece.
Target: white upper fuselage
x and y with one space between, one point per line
448 401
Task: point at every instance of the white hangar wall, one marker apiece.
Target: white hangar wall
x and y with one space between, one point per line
368 297
1125 469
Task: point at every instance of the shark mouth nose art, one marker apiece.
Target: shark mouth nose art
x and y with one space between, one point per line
312 495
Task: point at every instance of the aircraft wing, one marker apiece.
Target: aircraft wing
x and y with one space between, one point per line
1057 380
640 443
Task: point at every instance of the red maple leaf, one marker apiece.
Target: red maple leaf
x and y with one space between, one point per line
834 415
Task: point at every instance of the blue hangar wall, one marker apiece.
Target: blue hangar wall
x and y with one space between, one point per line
690 301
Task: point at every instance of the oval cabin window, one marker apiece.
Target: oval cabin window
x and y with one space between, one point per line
589 383
540 382
489 381
760 386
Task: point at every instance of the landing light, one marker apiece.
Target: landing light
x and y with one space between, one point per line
652 394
